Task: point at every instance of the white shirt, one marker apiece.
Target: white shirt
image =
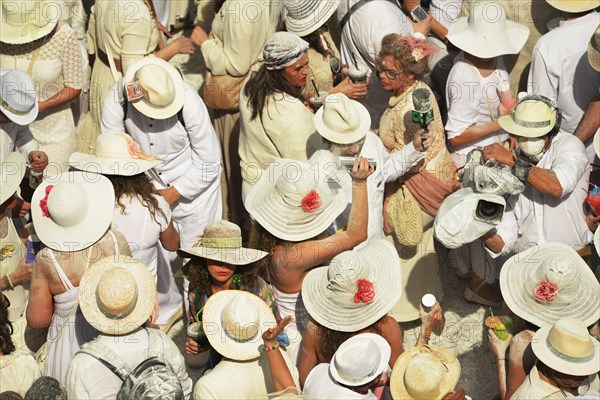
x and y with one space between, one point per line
320 385
16 137
535 388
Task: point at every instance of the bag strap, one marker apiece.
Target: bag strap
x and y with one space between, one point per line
155 347
355 8
106 356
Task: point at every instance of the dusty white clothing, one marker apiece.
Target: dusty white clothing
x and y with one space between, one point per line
15 137
445 11
535 388
12 251
320 385
18 371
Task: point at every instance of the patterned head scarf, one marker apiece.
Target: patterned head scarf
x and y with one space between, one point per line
283 49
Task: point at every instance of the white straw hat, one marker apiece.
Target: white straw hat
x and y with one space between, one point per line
342 120
356 289
597 142
360 359
18 99
222 241
162 86
12 171
303 17
567 347
574 6
116 153
291 203
117 295
594 50
234 321
24 21
531 118
597 240
487 33
72 211
424 372
549 281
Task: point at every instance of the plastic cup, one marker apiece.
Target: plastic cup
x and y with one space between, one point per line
505 94
317 101
502 334
428 301
358 73
193 331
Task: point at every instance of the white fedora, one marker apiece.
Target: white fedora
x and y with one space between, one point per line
531 118
594 50
162 87
303 17
574 6
24 21
487 33
18 99
342 120
12 171
360 359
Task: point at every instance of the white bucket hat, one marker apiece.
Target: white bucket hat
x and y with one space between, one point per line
302 17
594 50
487 33
222 241
360 359
292 204
72 211
567 347
356 289
342 120
116 153
549 281
18 99
162 86
234 321
574 6
531 118
12 171
424 372
24 21
117 295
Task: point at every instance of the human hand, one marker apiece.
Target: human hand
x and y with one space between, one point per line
424 26
199 36
192 347
22 273
361 169
420 144
20 207
162 28
184 45
171 195
458 395
270 334
351 89
430 319
498 347
38 160
498 153
592 221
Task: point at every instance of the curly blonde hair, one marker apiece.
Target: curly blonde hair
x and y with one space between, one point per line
411 53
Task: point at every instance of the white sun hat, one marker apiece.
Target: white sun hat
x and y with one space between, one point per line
342 120
486 32
356 289
303 17
574 6
594 50
12 171
18 99
27 20
597 142
72 211
360 359
531 118
162 87
234 321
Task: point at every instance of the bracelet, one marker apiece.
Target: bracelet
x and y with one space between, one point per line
426 337
264 349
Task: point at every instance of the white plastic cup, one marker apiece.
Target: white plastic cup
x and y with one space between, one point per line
428 301
358 73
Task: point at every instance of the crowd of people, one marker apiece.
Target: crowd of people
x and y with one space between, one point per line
297 211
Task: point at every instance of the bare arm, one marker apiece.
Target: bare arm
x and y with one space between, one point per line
590 122
40 306
308 352
63 96
474 133
520 361
280 373
392 332
169 238
493 241
498 348
181 45
429 320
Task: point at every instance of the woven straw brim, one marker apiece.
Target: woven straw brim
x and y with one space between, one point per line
385 351
12 172
110 166
594 57
508 124
219 340
323 10
520 268
382 258
146 289
349 137
574 6
233 256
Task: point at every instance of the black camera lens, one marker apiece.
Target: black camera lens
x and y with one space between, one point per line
488 211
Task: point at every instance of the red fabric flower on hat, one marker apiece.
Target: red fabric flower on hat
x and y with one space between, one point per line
44 202
311 201
545 291
365 292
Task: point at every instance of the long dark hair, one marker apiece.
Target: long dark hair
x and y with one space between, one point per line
6 329
200 278
329 340
314 40
136 185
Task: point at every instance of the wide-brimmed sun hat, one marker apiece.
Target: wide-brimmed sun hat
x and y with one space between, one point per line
567 347
531 118
574 6
549 281
117 295
72 211
302 17
222 241
116 153
162 87
18 99
356 289
234 321
342 120
424 372
24 21
293 203
12 171
594 50
360 359
486 32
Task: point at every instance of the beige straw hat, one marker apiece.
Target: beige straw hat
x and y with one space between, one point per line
594 50
424 372
549 281
24 21
531 118
117 295
303 17
342 120
12 171
234 321
222 241
360 359
574 6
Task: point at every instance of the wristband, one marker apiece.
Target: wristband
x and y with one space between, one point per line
522 169
7 282
265 349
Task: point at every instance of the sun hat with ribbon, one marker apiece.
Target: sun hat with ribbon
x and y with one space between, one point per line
162 87
424 372
234 321
574 6
594 50
295 202
303 17
222 241
18 99
486 32
567 347
356 289
531 118
24 21
117 295
116 153
283 49
341 120
12 171
72 211
549 281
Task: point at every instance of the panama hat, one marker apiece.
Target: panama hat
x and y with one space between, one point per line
360 359
116 153
24 21
487 33
594 50
342 120
162 87
234 321
293 204
424 372
72 211
12 171
546 282
531 118
567 347
222 241
117 295
574 6
18 99
356 289
303 17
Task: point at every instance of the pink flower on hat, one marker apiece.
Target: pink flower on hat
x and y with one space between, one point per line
545 291
44 202
134 149
311 201
365 292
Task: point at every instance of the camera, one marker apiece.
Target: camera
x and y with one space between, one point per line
348 162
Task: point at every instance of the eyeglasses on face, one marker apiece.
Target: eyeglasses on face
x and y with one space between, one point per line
380 69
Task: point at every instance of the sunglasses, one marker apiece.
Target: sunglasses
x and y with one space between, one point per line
379 69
